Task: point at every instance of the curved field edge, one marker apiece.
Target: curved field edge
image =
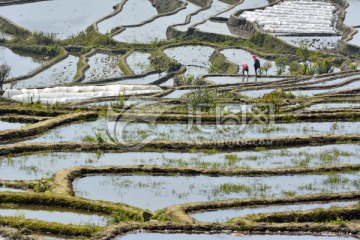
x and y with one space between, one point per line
43 126
241 144
180 213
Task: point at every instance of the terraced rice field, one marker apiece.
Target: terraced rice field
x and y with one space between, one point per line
133 120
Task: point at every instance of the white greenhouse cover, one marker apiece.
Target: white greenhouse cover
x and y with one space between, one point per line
295 16
77 93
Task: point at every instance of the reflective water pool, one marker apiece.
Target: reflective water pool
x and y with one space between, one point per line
44 165
8 125
125 131
225 215
133 12
155 30
59 74
53 215
20 64
216 7
103 66
62 17
157 192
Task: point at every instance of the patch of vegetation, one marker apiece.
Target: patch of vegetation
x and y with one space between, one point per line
219 64
338 221
203 99
124 66
269 43
312 62
120 216
4 73
40 38
91 38
276 98
186 80
280 63
349 65
231 2
233 188
265 68
161 62
51 51
82 65
8 27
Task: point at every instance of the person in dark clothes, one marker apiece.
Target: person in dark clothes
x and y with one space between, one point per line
256 65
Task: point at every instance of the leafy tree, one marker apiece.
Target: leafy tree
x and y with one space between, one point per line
280 63
4 73
304 53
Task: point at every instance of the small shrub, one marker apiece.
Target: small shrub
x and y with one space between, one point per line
304 53
89 139
339 221
100 138
280 63
185 80
119 216
277 97
203 98
41 38
296 68
348 65
265 67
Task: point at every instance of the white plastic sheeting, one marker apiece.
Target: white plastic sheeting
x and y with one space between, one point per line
77 93
295 16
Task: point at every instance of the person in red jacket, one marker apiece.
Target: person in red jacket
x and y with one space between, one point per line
245 68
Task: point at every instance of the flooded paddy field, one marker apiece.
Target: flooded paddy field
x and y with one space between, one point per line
149 79
103 66
330 87
240 57
225 215
5 189
352 17
356 38
325 106
156 29
314 43
64 19
158 192
54 215
9 125
247 4
20 64
239 79
131 120
235 236
195 58
59 74
215 27
216 7
79 132
44 165
177 94
133 12
139 62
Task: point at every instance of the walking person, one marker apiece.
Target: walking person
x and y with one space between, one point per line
256 65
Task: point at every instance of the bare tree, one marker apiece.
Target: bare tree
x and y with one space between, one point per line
4 73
